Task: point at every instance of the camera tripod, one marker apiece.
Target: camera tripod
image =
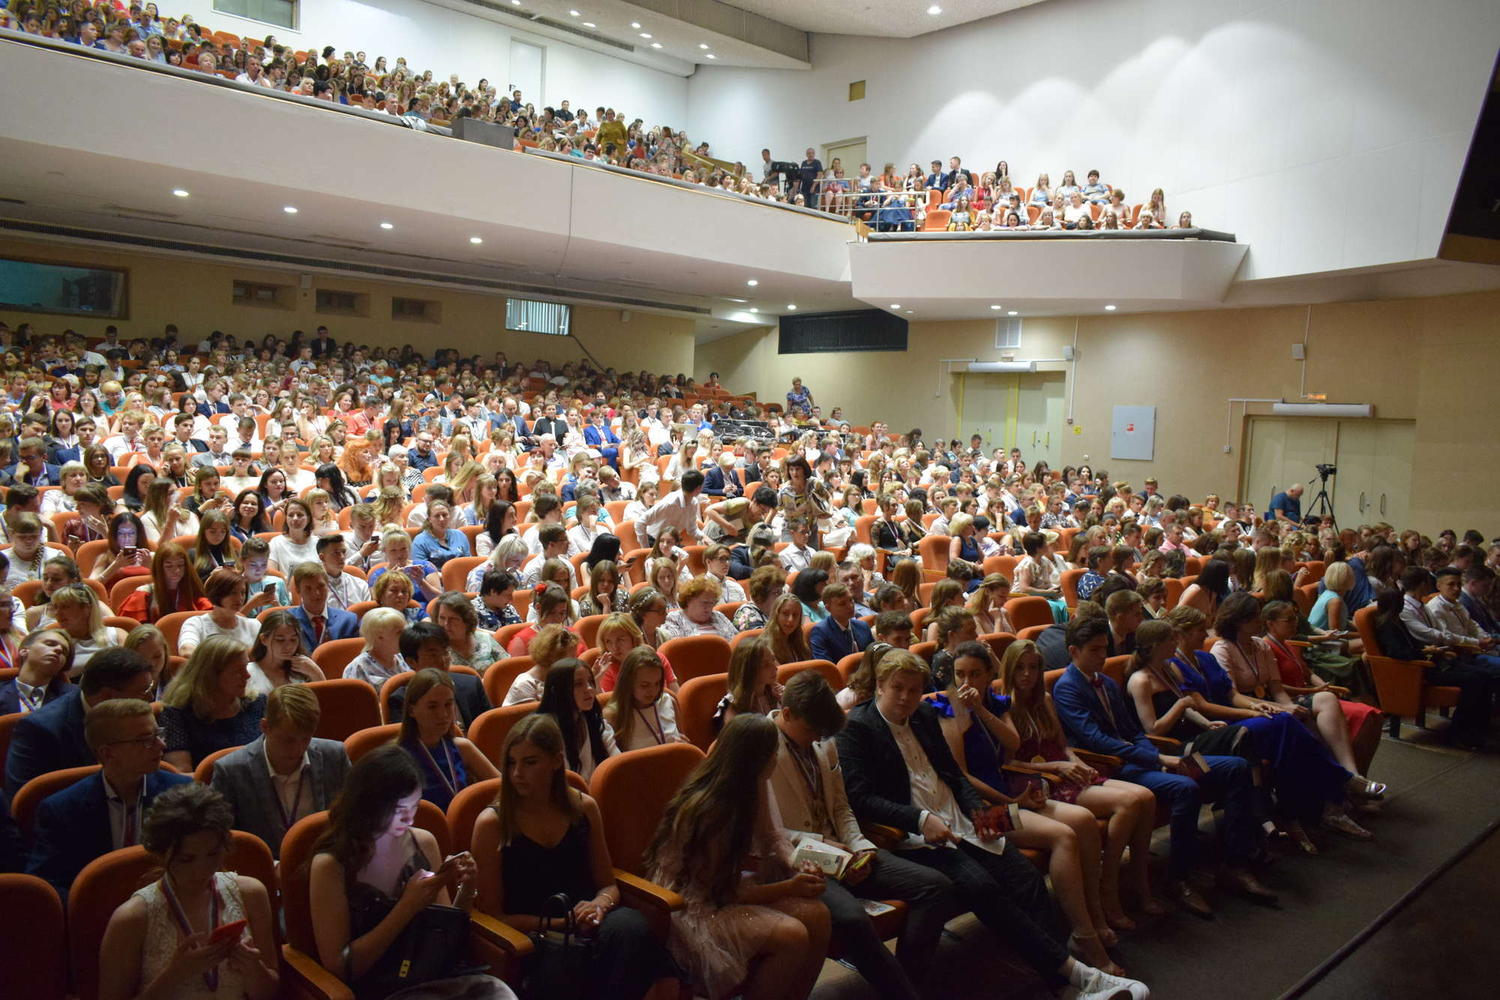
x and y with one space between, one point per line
1321 505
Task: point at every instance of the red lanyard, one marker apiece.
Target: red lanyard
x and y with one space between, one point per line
658 731
7 653
211 977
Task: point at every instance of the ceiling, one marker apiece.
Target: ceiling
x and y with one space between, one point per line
882 18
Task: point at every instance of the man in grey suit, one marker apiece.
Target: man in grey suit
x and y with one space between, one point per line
284 774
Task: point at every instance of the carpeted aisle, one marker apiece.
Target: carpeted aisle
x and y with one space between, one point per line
1439 801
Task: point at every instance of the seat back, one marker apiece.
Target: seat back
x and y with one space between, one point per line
108 881
696 656
1001 564
830 672
1025 612
347 704
1033 633
7 727
1069 583
1307 596
490 729
1364 624
360 743
847 666
1115 668
33 950
171 626
998 642
203 774
633 790
587 628
500 675
696 701
28 797
333 655
933 550
465 809
389 689
456 570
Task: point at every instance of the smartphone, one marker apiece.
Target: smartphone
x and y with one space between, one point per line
269 588
128 551
227 932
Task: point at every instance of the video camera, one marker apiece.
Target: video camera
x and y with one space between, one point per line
1325 470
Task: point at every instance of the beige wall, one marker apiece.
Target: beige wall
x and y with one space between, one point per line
1429 360
197 296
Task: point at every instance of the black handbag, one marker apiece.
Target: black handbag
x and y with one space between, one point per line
434 945
561 966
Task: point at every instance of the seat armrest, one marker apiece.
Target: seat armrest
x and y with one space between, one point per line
641 894
1099 760
1016 767
499 933
881 835
1164 742
311 978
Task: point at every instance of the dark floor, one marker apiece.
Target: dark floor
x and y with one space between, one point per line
1438 802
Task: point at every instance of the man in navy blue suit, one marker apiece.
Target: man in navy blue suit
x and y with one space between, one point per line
840 634
316 621
602 437
722 479
32 467
104 811
52 738
1095 714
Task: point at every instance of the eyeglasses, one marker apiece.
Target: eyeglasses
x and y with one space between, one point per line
157 735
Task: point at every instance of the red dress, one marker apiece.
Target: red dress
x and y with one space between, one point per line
1294 673
1035 750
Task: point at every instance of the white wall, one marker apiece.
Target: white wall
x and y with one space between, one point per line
1256 116
448 41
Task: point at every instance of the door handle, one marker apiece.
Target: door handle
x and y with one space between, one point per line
1382 505
1049 439
1362 504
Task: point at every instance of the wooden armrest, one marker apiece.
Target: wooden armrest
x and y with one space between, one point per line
1016 767
1342 692
1096 760
1164 742
1303 643
500 933
311 976
640 894
881 835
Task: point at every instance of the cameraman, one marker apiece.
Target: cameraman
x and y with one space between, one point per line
1287 505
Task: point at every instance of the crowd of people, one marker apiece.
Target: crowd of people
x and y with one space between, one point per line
887 202
194 524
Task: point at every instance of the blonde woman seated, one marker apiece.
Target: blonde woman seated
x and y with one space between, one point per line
697 616
159 942
427 583
642 712
550 644
381 658
981 738
208 705
162 516
226 589
448 763
509 554
78 613
987 605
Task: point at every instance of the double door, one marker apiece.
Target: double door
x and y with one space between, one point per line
1373 458
1013 411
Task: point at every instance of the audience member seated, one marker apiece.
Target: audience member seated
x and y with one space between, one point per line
278 657
160 942
641 712
697 615
175 586
106 810
424 646
764 935
208 706
285 773
807 791
226 589
317 620
381 657
52 737
41 657
899 773
467 645
840 634
448 763
540 838
1093 711
344 589
752 682
568 696
375 872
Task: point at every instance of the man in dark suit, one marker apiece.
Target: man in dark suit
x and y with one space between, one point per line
317 623
597 434
899 772
840 634
43 675
52 737
550 423
284 774
424 645
322 345
31 466
722 479
1094 713
103 812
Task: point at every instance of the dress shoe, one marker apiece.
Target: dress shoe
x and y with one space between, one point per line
1340 823
1248 885
1184 895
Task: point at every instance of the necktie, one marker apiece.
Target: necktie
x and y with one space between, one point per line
317 623
1103 696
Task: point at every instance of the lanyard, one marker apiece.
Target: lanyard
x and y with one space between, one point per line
658 731
288 818
7 653
449 780
33 701
211 977
130 823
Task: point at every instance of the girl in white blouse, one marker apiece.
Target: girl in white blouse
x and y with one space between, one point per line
641 711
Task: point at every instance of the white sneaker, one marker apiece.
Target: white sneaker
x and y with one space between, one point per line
1099 985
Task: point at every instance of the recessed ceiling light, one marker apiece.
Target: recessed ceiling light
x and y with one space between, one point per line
712 56
589 24
573 13
636 25
515 3
1109 309
656 45
997 308
895 305
180 192
791 306
290 209
387 225
702 45
1012 313
754 310
934 10
645 34
752 282
475 240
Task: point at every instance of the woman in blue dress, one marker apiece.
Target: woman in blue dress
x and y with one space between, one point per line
447 763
